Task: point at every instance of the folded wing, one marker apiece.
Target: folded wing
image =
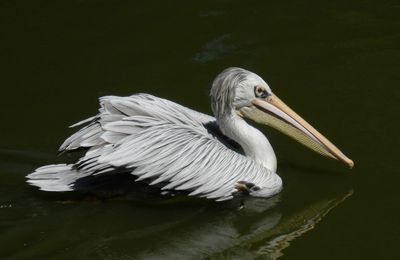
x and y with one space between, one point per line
159 142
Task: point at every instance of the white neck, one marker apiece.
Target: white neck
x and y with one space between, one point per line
253 142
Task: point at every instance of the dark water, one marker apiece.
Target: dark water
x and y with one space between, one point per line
336 63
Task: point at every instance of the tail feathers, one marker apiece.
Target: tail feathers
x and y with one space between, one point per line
55 177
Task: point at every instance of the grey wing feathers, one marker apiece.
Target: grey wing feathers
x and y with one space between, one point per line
55 177
178 157
113 109
159 142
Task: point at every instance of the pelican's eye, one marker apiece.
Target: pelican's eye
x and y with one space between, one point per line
260 92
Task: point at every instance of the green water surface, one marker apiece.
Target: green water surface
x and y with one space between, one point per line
334 62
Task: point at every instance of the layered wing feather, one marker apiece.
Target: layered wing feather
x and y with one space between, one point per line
114 109
159 142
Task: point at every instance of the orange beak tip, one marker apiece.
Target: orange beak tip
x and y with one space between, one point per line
351 164
348 162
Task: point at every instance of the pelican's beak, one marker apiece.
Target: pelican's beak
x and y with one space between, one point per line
273 112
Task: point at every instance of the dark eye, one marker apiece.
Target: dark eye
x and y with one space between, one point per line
260 92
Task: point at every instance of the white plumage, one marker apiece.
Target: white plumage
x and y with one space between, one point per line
160 142
173 147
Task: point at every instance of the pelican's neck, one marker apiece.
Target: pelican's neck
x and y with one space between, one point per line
253 142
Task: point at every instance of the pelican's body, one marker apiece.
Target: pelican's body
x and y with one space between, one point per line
178 149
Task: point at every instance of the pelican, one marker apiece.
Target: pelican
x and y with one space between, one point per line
177 149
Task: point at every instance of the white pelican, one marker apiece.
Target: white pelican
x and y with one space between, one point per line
176 149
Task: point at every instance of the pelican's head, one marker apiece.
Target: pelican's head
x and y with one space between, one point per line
241 92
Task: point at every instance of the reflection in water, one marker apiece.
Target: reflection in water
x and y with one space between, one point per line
266 232
258 229
298 224
222 232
